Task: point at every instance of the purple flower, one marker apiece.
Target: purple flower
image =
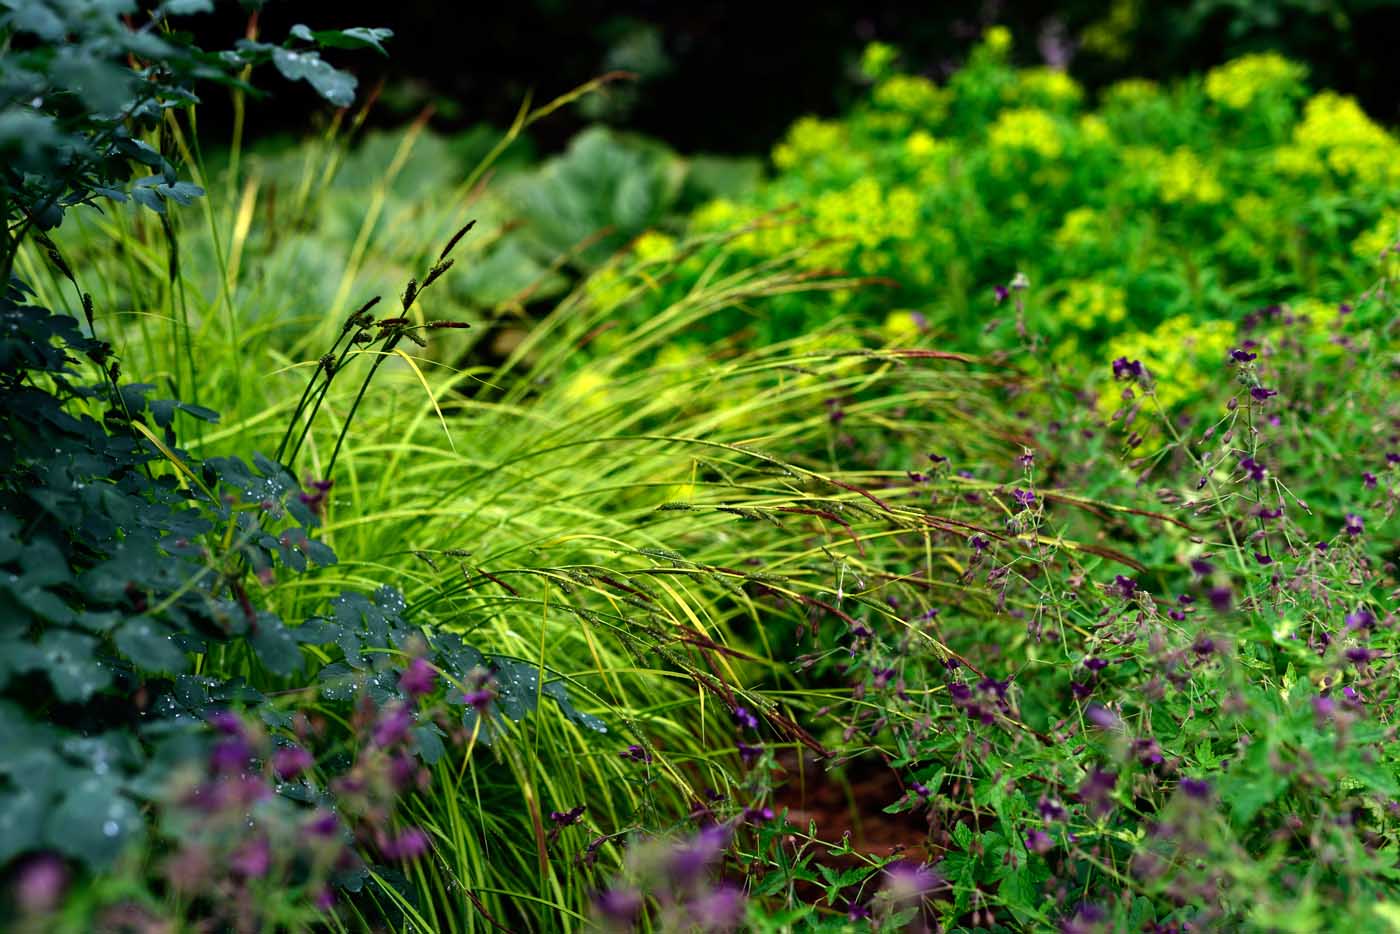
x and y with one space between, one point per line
1051 810
1260 394
1253 469
636 753
1038 841
1358 655
418 678
1323 707
689 860
1125 586
1368 479
1095 664
1203 646
325 899
978 543
1001 293
1262 558
1025 497
1363 618
1147 751
907 882
479 698
569 817
1242 356
323 824
1097 791
1220 598
230 755
855 911
410 844
748 754
253 859
1101 717
721 908
745 719
1355 525
619 905
392 727
1201 567
227 723
291 761
1125 369
1195 788
40 884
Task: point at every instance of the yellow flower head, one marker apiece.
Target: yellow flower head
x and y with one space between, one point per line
654 246
913 95
1382 239
1239 83
877 59
1027 129
997 40
809 137
1088 303
1046 87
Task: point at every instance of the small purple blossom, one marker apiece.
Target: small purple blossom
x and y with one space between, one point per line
253 859
636 753
40 884
418 678
1125 369
1195 788
1101 717
1097 791
409 845
291 761
745 719
1362 618
1260 394
619 905
1242 356
907 882
1355 525
1038 841
1253 469
230 755
393 726
721 908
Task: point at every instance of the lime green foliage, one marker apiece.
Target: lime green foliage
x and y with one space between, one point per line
1160 211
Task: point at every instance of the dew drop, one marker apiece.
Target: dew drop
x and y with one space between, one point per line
111 828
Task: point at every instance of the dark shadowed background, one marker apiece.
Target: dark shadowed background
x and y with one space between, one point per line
729 77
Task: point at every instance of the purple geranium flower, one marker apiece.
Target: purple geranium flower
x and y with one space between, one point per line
418 678
291 761
1125 369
